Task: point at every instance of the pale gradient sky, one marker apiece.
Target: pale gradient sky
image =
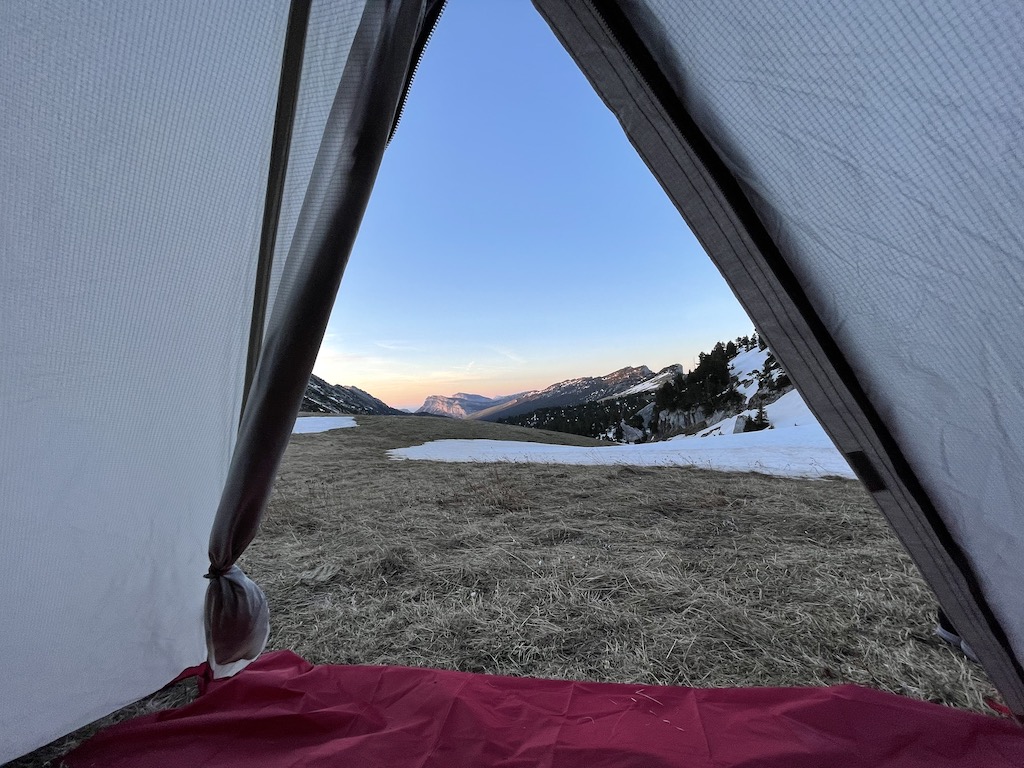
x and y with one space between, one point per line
514 238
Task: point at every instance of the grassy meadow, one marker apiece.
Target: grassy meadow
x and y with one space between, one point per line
654 575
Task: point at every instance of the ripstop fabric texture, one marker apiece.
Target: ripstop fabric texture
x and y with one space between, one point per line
875 140
134 153
285 711
848 167
137 146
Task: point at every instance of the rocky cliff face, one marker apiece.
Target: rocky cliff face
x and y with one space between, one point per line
461 405
755 377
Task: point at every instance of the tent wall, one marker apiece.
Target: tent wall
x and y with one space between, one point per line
134 153
137 144
849 167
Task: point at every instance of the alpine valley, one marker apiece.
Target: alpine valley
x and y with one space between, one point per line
727 391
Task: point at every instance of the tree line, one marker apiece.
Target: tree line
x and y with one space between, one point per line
593 419
708 387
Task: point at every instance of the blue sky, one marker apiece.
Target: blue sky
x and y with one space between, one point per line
514 238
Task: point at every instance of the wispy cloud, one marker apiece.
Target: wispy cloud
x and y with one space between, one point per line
508 353
396 346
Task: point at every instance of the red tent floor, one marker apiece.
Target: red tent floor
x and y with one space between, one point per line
283 711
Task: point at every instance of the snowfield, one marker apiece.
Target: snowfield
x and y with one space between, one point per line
790 410
745 367
307 424
796 446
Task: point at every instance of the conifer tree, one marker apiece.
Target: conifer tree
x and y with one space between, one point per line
758 422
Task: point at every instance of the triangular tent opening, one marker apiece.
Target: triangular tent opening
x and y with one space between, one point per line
182 188
528 227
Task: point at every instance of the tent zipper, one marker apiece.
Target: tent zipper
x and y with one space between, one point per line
433 16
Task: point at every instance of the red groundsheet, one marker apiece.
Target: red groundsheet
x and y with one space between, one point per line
282 711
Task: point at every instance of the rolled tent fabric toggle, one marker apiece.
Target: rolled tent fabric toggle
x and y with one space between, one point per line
237 620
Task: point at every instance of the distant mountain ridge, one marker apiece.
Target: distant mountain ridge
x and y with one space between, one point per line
564 393
651 385
321 397
726 392
461 405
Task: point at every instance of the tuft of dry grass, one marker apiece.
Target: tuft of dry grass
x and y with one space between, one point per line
653 575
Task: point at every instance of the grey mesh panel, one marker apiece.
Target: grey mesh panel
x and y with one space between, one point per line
351 148
133 146
332 28
880 143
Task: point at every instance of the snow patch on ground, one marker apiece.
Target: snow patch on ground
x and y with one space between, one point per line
797 452
796 446
307 424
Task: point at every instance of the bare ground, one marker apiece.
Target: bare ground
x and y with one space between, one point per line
656 575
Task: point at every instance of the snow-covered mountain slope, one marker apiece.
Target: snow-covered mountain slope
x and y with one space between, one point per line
462 405
745 367
568 393
321 397
795 445
652 384
790 410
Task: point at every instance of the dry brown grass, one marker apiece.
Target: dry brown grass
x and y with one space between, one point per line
652 575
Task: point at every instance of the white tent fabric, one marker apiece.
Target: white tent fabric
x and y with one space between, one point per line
851 168
135 147
875 140
169 268
133 184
